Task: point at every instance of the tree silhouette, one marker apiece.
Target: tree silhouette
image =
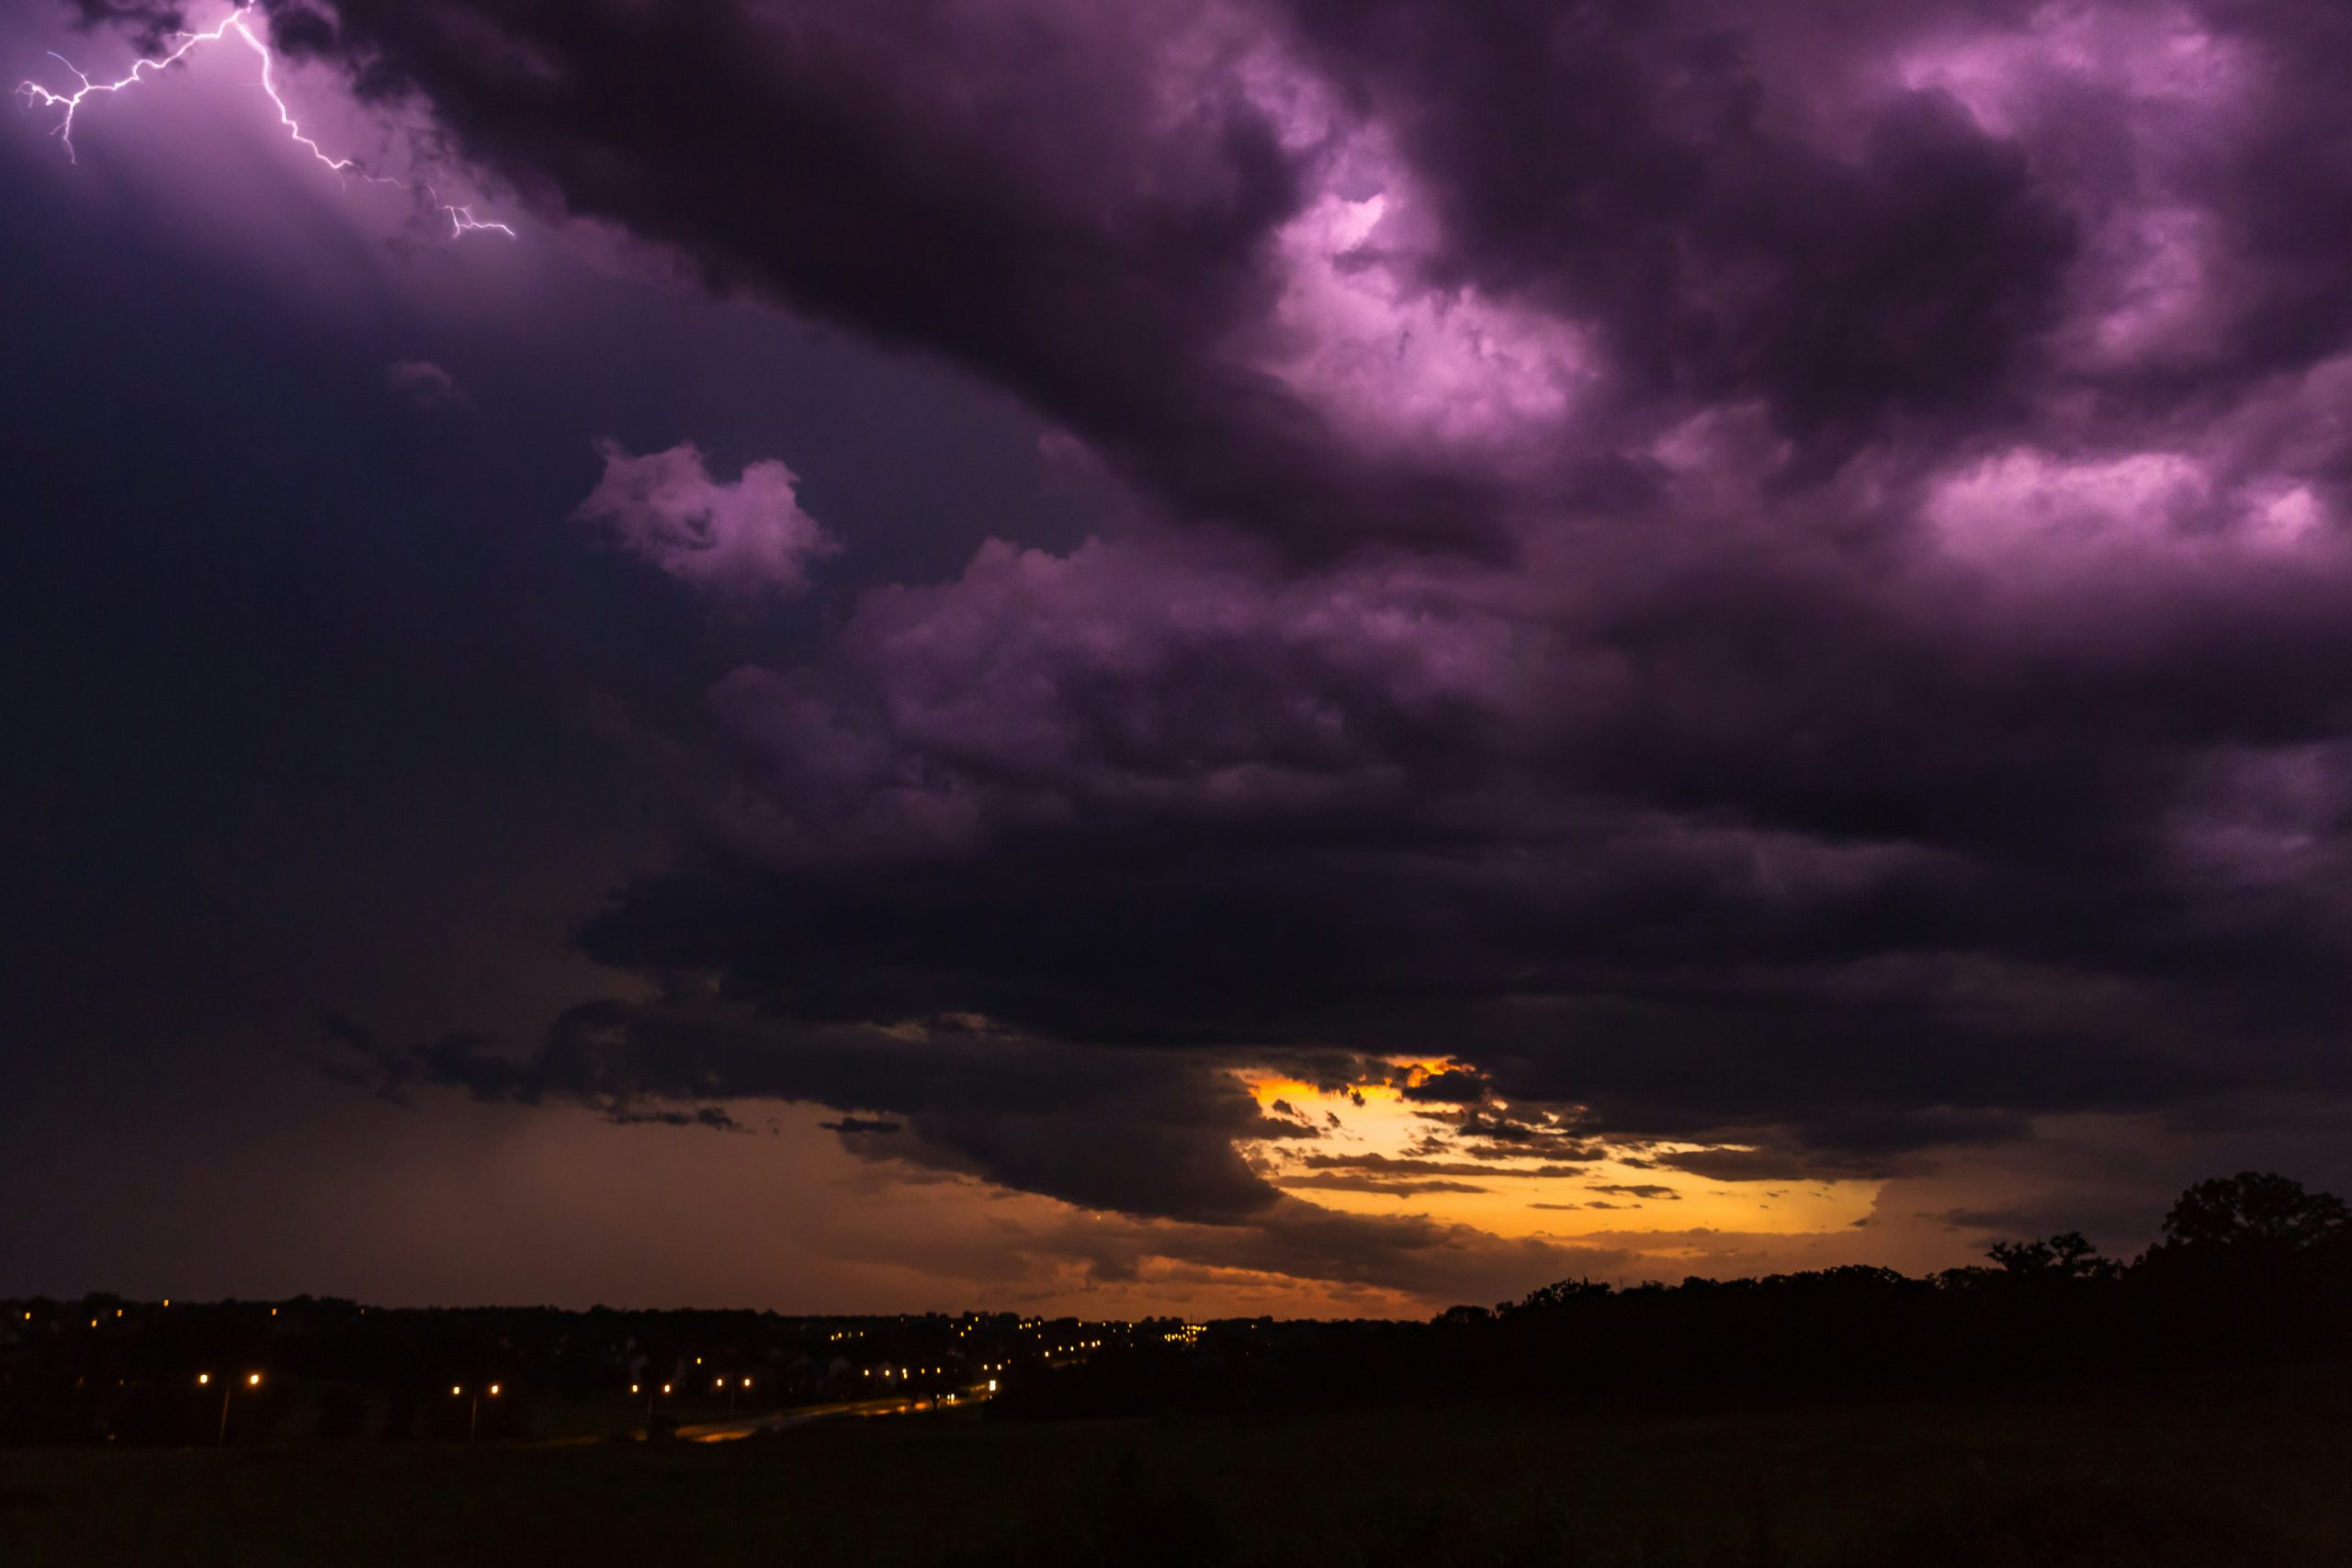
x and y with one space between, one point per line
2067 1256
2254 1219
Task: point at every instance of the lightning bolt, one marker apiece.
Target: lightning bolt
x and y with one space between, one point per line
462 221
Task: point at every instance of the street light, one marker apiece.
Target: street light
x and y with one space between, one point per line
651 1398
203 1380
473 1414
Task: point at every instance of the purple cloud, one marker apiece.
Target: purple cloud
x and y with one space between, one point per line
741 541
423 383
1769 579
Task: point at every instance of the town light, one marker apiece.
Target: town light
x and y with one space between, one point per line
252 1379
203 1377
493 1391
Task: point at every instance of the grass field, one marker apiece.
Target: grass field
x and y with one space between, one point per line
2243 1471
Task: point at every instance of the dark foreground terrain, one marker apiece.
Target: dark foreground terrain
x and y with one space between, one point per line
2254 1467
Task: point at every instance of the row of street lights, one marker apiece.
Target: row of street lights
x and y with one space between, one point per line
456 1391
473 1414
652 1395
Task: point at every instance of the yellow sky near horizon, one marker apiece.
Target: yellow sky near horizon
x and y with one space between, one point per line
1641 1206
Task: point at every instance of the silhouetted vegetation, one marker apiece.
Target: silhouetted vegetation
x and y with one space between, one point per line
2250 1269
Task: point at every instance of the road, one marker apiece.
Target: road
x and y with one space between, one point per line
777 1420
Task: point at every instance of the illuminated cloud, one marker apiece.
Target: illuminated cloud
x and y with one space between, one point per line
1770 585
166 44
740 540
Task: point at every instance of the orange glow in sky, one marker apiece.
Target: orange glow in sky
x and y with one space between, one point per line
1584 1193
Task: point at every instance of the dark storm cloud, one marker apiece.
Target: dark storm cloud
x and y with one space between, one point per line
147 23
1144 1139
1020 190
1623 161
1421 1257
1996 1222
1822 630
1454 1087
1407 1166
851 1125
1142 1133
1340 1181
1782 1159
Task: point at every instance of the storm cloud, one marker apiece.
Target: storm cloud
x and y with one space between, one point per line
1773 580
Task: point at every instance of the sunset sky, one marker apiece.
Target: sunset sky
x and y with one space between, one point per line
1204 657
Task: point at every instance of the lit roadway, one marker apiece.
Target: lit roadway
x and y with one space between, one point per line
777 1420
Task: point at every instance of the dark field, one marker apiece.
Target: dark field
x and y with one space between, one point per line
2247 1470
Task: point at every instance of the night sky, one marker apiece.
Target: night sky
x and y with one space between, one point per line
1274 656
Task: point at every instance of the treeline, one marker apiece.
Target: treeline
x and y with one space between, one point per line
2249 1269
